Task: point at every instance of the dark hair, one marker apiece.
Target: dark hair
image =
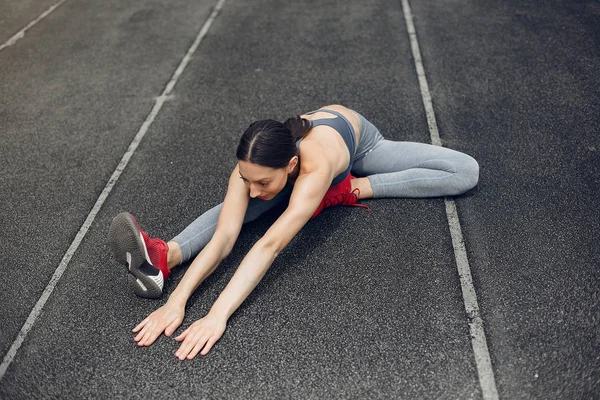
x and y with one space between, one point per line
271 143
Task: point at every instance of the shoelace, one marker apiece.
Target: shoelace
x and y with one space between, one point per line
346 199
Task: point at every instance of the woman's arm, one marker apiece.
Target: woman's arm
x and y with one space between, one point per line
168 317
226 233
309 189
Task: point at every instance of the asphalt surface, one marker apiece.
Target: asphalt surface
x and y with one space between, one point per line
360 304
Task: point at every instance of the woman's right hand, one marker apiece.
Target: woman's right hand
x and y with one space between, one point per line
166 319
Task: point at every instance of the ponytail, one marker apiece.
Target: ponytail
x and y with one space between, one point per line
298 126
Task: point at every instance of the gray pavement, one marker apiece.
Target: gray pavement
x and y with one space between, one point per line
17 15
519 84
360 305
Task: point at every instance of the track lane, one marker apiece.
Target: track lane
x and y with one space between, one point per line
72 100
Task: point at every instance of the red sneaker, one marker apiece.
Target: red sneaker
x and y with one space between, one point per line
341 193
145 257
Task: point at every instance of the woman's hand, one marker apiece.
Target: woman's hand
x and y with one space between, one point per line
201 335
166 319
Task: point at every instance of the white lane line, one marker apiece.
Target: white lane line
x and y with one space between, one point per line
478 339
160 100
19 35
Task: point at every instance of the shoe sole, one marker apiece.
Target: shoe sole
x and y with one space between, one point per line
129 249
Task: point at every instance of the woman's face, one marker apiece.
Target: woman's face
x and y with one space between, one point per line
265 182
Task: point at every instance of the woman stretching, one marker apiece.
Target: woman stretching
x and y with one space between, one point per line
307 160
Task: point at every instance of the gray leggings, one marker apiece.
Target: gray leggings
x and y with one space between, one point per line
394 169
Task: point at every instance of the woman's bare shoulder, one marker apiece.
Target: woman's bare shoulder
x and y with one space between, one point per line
335 107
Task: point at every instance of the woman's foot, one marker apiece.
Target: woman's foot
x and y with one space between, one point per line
145 257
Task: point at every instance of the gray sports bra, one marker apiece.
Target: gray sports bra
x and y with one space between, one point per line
345 129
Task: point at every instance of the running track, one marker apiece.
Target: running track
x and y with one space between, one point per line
112 106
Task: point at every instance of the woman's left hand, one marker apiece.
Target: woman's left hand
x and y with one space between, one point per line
200 337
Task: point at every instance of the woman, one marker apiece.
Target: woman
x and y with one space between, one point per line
308 160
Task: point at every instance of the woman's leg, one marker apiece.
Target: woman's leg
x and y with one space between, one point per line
193 238
408 169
